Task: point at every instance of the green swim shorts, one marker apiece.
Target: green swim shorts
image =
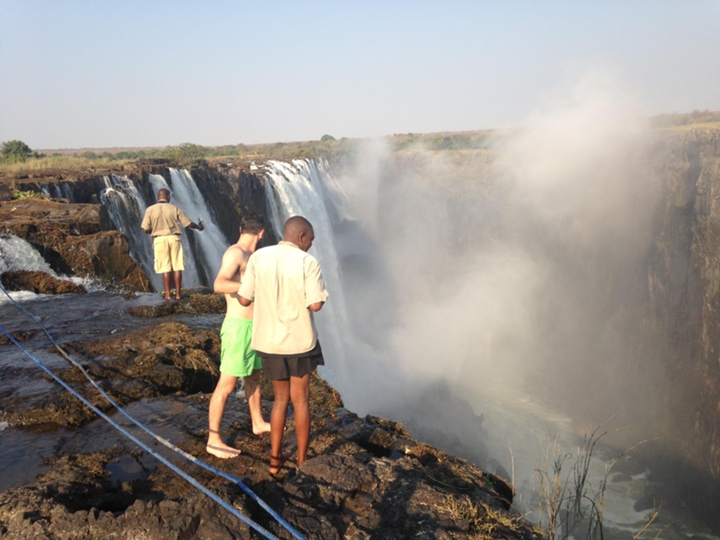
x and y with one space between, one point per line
236 357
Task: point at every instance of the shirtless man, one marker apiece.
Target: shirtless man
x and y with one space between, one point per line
237 358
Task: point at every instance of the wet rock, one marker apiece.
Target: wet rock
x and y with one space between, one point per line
38 282
195 301
18 335
158 360
71 239
342 490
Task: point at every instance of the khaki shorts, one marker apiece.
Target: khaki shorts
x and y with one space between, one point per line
168 254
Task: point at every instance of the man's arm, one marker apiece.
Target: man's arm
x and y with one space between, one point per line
187 222
228 278
145 224
315 292
246 292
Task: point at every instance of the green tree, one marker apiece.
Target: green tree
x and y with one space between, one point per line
326 138
15 151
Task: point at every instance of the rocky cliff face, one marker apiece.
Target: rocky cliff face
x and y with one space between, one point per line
684 287
76 234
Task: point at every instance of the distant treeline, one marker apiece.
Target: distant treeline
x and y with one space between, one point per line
695 118
16 155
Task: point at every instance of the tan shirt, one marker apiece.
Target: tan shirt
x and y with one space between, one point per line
162 219
283 281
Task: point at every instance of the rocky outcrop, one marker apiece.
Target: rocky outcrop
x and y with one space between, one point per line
365 477
38 282
76 234
233 192
71 239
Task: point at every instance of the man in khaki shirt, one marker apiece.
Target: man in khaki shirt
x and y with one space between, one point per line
161 221
286 284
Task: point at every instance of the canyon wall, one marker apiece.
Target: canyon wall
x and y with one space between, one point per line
680 291
683 287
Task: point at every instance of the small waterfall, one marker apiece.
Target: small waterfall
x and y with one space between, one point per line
127 207
300 188
59 191
17 254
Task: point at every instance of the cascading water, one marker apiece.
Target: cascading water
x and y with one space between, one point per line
17 254
298 189
203 255
203 250
59 191
519 427
126 208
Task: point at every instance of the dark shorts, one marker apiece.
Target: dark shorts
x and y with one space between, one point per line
277 367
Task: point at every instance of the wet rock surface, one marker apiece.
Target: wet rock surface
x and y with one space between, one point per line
194 301
400 488
365 477
74 240
38 282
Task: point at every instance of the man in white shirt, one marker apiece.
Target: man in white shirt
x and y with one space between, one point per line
286 284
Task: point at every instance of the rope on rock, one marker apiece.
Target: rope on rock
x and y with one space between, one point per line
160 439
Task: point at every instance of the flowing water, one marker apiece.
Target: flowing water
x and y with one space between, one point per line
520 428
127 208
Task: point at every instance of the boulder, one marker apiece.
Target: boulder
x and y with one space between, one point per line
71 239
38 282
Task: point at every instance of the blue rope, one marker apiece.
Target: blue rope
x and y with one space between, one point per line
122 430
164 441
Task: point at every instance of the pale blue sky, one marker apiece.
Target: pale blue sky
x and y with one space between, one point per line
153 73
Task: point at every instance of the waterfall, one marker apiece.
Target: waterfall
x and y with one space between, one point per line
127 207
17 254
204 250
303 188
59 191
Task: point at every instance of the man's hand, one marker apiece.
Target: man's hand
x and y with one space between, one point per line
316 306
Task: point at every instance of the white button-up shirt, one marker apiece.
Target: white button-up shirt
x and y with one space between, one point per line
283 281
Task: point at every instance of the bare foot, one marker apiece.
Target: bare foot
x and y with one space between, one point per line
276 463
178 297
222 450
262 428
167 298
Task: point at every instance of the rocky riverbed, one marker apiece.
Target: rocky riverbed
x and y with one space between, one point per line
69 474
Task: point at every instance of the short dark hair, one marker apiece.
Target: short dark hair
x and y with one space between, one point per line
251 224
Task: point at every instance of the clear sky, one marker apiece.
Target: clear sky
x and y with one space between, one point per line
128 73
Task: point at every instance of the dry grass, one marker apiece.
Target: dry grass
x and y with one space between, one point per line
690 127
484 522
60 162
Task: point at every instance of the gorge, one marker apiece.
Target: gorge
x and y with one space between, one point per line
580 275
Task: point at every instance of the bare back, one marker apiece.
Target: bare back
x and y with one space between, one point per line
233 266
